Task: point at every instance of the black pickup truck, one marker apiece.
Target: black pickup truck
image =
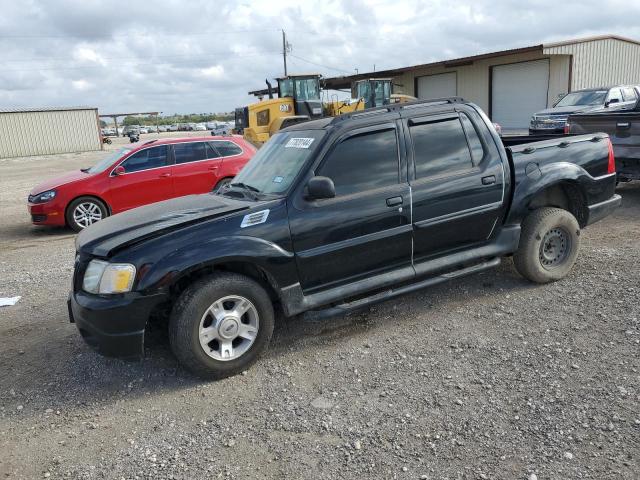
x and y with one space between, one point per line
335 214
623 127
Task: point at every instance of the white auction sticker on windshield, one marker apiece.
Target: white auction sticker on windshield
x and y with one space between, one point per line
299 143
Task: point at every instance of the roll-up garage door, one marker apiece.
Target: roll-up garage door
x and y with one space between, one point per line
518 91
437 86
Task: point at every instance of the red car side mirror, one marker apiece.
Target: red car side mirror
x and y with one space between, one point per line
119 170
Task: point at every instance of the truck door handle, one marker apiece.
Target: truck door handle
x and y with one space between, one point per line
164 175
489 180
623 124
394 201
213 168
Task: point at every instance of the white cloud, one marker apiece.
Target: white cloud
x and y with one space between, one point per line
81 84
215 72
86 54
205 56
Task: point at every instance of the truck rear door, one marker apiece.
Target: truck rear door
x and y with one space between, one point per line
624 130
457 182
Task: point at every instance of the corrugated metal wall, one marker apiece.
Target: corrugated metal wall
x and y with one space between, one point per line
47 132
601 62
473 80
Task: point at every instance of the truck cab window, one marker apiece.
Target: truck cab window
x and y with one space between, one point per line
477 151
440 148
363 162
629 94
615 93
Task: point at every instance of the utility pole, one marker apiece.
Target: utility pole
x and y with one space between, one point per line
284 51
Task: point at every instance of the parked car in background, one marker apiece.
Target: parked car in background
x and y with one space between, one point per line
162 128
221 128
144 130
138 175
130 128
623 127
337 214
552 120
200 127
210 125
108 132
173 128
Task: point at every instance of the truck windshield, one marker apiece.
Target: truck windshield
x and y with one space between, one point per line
107 161
278 162
594 97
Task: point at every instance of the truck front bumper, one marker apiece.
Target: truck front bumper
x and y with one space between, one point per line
113 325
598 211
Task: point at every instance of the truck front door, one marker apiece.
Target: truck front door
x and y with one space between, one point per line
366 229
457 182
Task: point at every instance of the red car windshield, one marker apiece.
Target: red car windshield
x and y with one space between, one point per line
107 161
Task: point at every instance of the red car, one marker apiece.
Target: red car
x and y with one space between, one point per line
138 175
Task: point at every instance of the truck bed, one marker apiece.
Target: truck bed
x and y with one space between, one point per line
576 149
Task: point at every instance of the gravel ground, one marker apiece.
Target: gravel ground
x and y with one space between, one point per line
484 377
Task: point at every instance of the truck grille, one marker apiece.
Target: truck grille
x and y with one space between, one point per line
542 122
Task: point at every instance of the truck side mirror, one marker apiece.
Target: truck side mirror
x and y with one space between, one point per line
320 187
613 100
119 170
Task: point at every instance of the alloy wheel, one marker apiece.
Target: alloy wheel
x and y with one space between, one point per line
228 328
86 213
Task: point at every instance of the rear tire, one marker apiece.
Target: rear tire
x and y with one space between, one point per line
85 211
220 325
549 245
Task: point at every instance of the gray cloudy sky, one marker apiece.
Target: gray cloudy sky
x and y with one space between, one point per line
203 56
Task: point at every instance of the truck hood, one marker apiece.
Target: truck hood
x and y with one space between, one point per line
114 233
59 181
567 110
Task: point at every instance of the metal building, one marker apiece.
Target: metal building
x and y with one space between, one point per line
44 131
511 85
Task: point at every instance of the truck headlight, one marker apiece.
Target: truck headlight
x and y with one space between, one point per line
105 277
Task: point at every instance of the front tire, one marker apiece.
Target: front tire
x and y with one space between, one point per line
221 184
220 325
549 245
85 211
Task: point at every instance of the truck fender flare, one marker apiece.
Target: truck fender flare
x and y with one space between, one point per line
536 180
276 262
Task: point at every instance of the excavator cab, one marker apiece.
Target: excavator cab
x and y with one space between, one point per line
298 101
305 92
374 92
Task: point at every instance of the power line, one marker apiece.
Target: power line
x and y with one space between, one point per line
87 67
319 64
60 59
145 34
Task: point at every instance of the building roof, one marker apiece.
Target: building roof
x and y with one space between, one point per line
336 83
44 109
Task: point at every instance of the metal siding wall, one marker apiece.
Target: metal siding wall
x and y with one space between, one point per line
602 62
44 133
473 80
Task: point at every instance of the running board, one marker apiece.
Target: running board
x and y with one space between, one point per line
385 295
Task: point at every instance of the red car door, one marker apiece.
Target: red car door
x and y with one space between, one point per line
146 179
195 169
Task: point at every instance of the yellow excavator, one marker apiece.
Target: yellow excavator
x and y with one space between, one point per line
299 100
